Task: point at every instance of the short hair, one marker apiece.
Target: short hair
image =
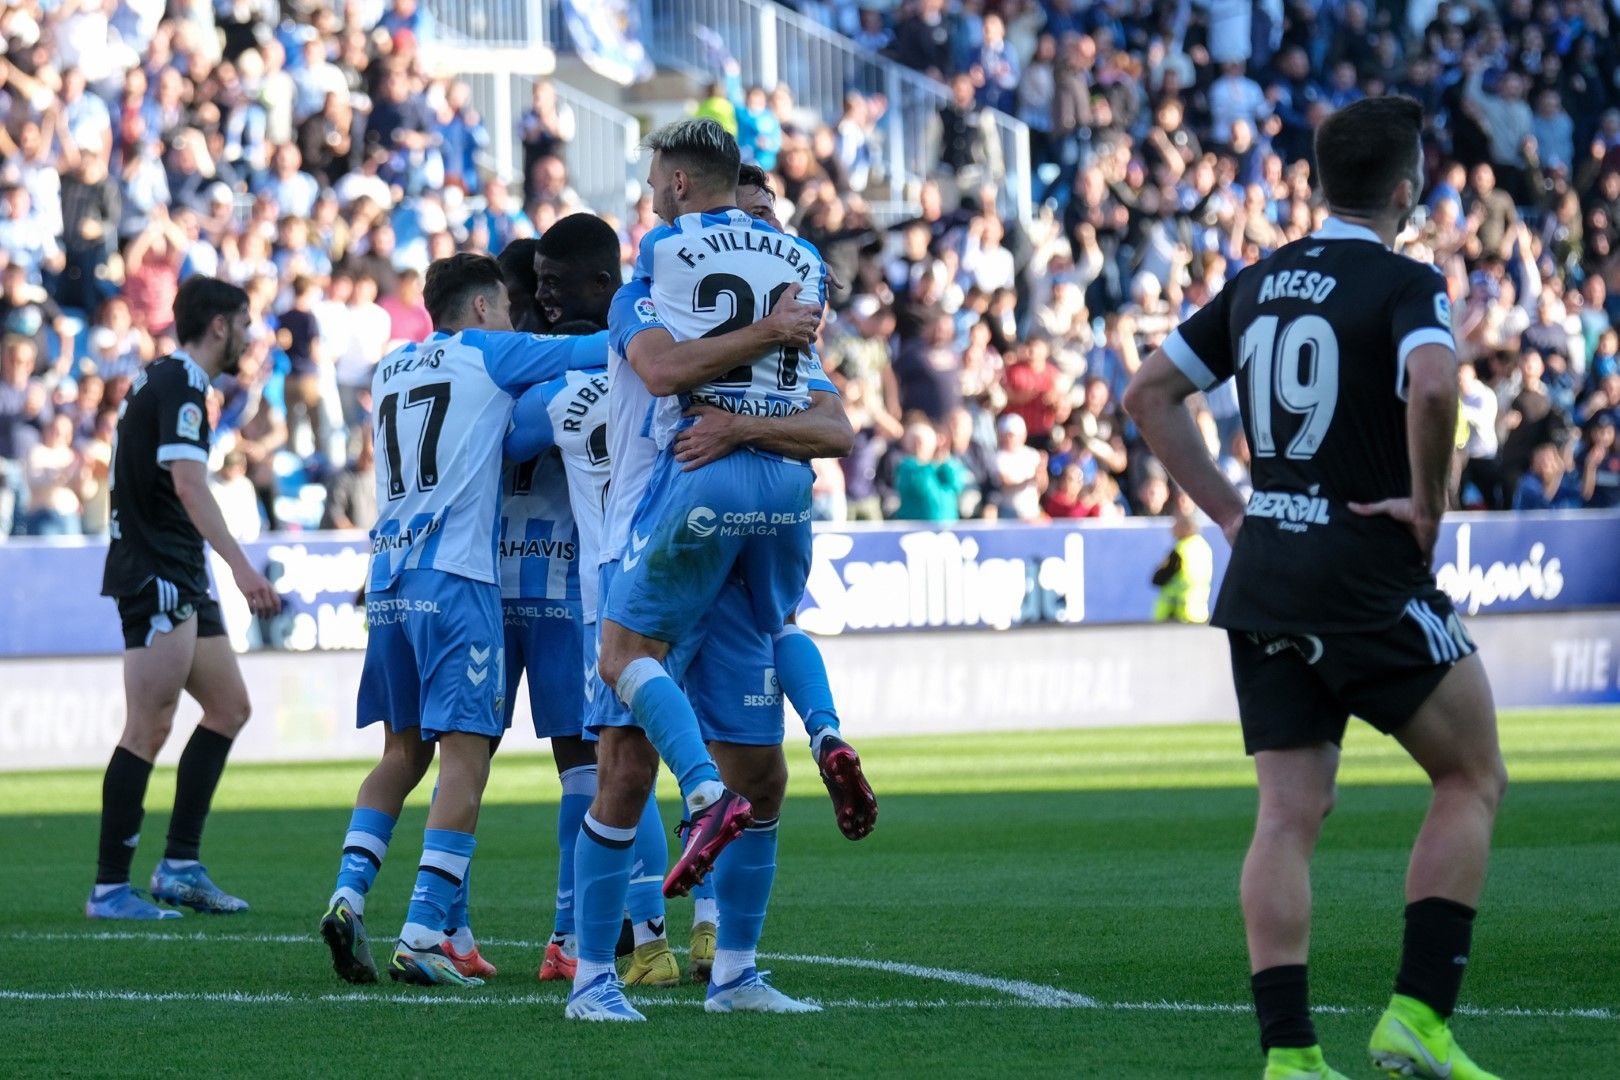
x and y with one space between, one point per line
517 262
1364 150
199 300
582 240
705 150
454 280
751 175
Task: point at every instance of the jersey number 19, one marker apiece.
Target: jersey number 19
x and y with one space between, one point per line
1299 369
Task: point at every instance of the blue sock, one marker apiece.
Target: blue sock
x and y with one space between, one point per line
662 711
459 917
743 875
645 901
803 675
578 789
364 847
603 856
446 855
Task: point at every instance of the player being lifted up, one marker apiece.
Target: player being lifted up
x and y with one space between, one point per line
695 163
174 639
434 658
1347 372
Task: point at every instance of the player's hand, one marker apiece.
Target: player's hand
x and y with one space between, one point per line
261 596
793 323
714 436
1425 527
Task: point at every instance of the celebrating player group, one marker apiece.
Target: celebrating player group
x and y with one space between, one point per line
617 514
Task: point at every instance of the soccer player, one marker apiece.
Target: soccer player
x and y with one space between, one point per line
1347 371
517 268
434 659
650 361
174 638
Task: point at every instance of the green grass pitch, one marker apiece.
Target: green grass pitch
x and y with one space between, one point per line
1032 904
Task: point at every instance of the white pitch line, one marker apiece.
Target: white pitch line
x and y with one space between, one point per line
1023 994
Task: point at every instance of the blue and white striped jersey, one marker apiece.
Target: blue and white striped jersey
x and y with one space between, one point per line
565 423
639 424
722 270
441 409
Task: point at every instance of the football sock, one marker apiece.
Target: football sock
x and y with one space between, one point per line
648 930
662 711
602 859
1434 952
803 675
458 919
201 764
742 888
364 847
704 908
645 900
578 789
123 793
446 855
461 939
1282 1002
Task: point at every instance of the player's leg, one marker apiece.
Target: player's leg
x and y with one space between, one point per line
216 684
390 692
626 764
157 662
575 758
1453 737
802 673
460 944
1292 726
632 664
456 636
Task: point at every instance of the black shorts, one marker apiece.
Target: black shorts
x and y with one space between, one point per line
159 607
1300 689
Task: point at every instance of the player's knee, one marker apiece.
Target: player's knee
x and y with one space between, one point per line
146 739
231 717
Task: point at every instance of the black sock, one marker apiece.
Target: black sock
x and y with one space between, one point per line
194 784
123 793
1434 952
1282 1002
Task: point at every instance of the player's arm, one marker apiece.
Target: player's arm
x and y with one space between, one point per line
517 361
532 433
191 485
1426 376
667 366
1431 427
821 431
1196 356
1157 401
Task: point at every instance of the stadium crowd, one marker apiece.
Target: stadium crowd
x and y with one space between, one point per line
313 155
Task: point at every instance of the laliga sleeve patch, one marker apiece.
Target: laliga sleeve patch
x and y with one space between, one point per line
1442 310
188 424
646 310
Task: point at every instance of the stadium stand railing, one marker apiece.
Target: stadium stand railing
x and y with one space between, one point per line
773 44
508 24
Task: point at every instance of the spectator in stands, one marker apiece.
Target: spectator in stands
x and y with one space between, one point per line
1020 477
1600 464
407 315
237 499
1549 484
928 479
56 475
351 494
922 39
970 149
1479 443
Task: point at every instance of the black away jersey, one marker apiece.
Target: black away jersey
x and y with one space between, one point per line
164 419
1317 337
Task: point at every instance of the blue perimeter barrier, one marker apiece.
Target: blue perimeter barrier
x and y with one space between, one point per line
863 579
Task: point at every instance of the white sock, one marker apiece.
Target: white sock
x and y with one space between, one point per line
101 892
178 864
588 972
705 794
462 940
705 909
417 936
651 930
356 900
729 964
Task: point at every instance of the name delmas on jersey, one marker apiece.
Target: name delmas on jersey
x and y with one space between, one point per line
1292 511
410 361
772 243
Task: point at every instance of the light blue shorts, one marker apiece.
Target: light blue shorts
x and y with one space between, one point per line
545 641
434 656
